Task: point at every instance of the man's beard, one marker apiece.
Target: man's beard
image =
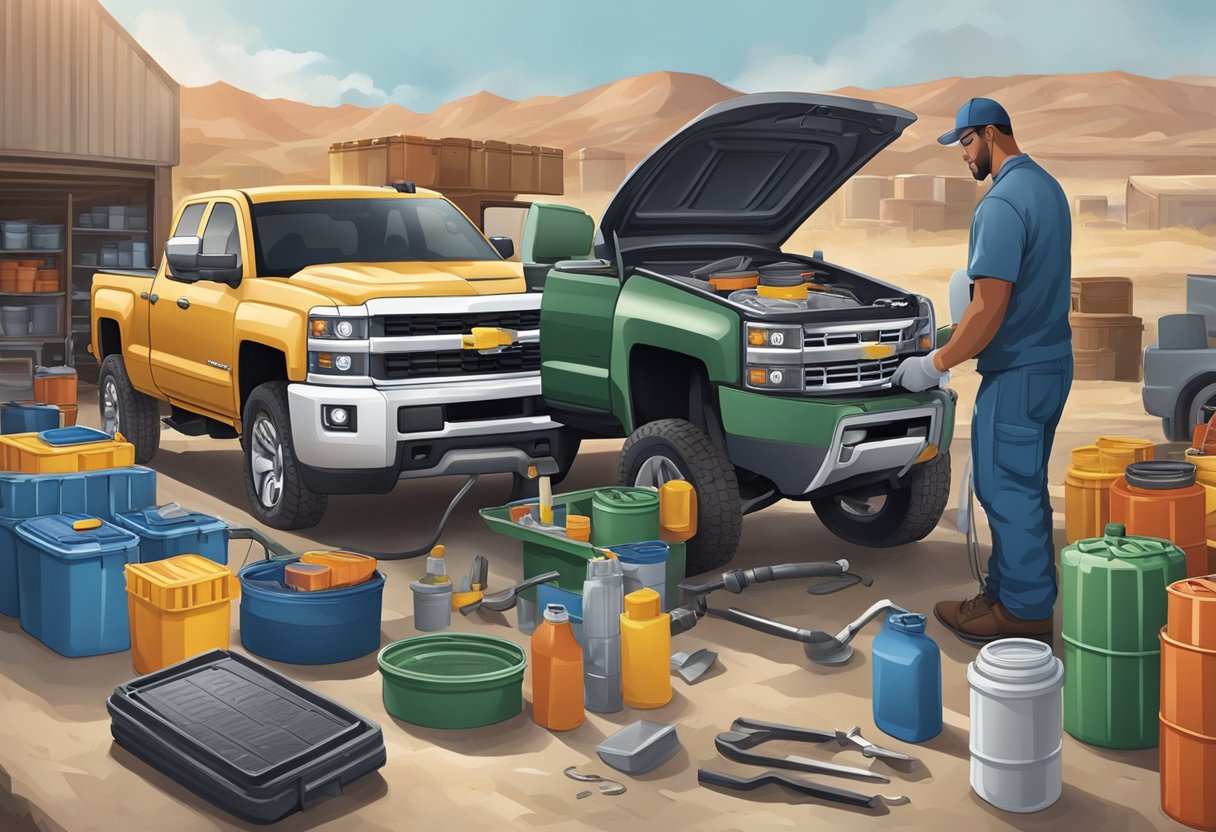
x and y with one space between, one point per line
983 167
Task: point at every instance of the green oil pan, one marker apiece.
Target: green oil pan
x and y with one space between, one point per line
453 680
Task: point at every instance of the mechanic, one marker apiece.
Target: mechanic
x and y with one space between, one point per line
1017 325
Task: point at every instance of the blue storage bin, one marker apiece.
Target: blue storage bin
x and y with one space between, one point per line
573 602
10 594
324 627
27 417
169 530
101 494
73 590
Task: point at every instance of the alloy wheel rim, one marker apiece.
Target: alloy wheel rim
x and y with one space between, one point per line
656 471
862 508
110 421
266 462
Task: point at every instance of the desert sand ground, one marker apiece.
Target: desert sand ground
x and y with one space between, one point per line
59 769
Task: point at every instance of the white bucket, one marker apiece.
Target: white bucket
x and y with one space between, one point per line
1016 724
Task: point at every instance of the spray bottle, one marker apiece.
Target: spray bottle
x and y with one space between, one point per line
603 604
433 594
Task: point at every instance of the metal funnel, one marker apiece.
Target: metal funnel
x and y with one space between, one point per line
837 650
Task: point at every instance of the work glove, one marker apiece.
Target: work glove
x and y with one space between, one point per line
918 373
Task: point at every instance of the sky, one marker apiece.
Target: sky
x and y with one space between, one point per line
422 54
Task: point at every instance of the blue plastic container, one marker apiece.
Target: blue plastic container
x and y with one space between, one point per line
28 417
167 531
547 594
101 494
324 627
73 590
907 679
10 593
58 437
645 567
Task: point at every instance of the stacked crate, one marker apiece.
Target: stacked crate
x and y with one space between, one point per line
1107 339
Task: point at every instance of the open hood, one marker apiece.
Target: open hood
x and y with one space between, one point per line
746 172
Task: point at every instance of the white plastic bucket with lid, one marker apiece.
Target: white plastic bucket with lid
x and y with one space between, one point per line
15 320
1016 724
16 234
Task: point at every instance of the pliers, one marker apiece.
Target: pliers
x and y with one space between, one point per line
746 734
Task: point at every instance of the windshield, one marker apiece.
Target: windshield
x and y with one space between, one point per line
289 236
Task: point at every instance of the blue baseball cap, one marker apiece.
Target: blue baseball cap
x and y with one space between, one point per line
978 112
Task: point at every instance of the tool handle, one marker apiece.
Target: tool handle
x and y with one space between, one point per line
785 571
770 627
834 795
273 548
784 732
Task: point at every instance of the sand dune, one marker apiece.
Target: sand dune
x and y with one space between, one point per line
1097 126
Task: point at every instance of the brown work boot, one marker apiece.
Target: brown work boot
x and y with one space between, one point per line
980 620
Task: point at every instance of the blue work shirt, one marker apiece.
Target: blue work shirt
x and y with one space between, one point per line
1022 232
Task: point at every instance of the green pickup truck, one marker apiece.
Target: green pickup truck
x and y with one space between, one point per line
754 373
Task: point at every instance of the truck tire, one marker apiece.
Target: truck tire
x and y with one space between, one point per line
277 495
126 410
669 449
907 514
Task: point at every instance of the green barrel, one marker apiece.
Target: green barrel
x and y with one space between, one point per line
624 515
1114 607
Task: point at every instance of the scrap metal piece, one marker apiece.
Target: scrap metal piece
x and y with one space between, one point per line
607 786
754 732
583 794
868 749
692 666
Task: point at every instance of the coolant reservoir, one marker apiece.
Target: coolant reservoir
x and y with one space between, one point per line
786 287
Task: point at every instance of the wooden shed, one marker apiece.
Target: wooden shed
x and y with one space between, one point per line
88 137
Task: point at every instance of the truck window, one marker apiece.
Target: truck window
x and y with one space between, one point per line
187 226
294 235
222 236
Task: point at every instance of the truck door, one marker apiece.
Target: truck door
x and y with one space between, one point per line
192 323
576 314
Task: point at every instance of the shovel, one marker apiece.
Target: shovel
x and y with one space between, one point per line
507 598
692 666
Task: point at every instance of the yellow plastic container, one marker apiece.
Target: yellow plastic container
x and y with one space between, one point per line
1088 479
25 453
677 511
177 608
645 651
345 569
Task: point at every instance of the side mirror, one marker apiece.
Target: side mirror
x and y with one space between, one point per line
555 232
505 247
182 255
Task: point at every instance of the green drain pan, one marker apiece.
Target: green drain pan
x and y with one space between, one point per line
453 680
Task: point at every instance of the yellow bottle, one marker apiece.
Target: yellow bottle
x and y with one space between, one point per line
645 651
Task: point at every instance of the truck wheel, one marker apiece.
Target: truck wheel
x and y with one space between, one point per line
899 516
1190 413
124 409
672 449
272 476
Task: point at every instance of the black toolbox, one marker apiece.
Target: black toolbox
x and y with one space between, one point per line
243 736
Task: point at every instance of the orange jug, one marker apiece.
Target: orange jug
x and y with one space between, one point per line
1188 689
1159 498
557 673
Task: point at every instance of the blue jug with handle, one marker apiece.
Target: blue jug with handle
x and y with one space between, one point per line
907 679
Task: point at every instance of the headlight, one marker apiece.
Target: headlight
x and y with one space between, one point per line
337 363
777 337
926 330
338 328
784 378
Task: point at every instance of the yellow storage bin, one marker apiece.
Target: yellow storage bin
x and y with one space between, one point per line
30 453
178 608
1088 479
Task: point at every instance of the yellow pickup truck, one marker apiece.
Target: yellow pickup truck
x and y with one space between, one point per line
350 336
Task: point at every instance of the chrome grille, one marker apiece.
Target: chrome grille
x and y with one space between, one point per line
838 338
396 326
433 363
851 374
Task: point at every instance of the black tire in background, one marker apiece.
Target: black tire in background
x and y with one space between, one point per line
283 502
907 514
702 463
124 409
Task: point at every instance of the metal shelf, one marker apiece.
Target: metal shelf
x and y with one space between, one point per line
32 294
32 250
139 231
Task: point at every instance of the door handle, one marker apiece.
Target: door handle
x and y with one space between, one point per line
183 303
153 298
143 295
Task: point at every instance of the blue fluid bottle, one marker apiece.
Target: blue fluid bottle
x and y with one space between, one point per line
907 679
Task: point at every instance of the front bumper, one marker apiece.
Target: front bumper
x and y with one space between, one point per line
803 446
379 448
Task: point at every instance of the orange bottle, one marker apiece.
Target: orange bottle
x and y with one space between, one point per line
557 673
645 651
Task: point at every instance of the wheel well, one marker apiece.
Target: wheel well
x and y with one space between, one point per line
668 385
258 364
109 338
1183 405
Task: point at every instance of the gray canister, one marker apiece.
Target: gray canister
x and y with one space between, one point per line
645 567
15 320
603 604
44 319
432 606
1017 712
